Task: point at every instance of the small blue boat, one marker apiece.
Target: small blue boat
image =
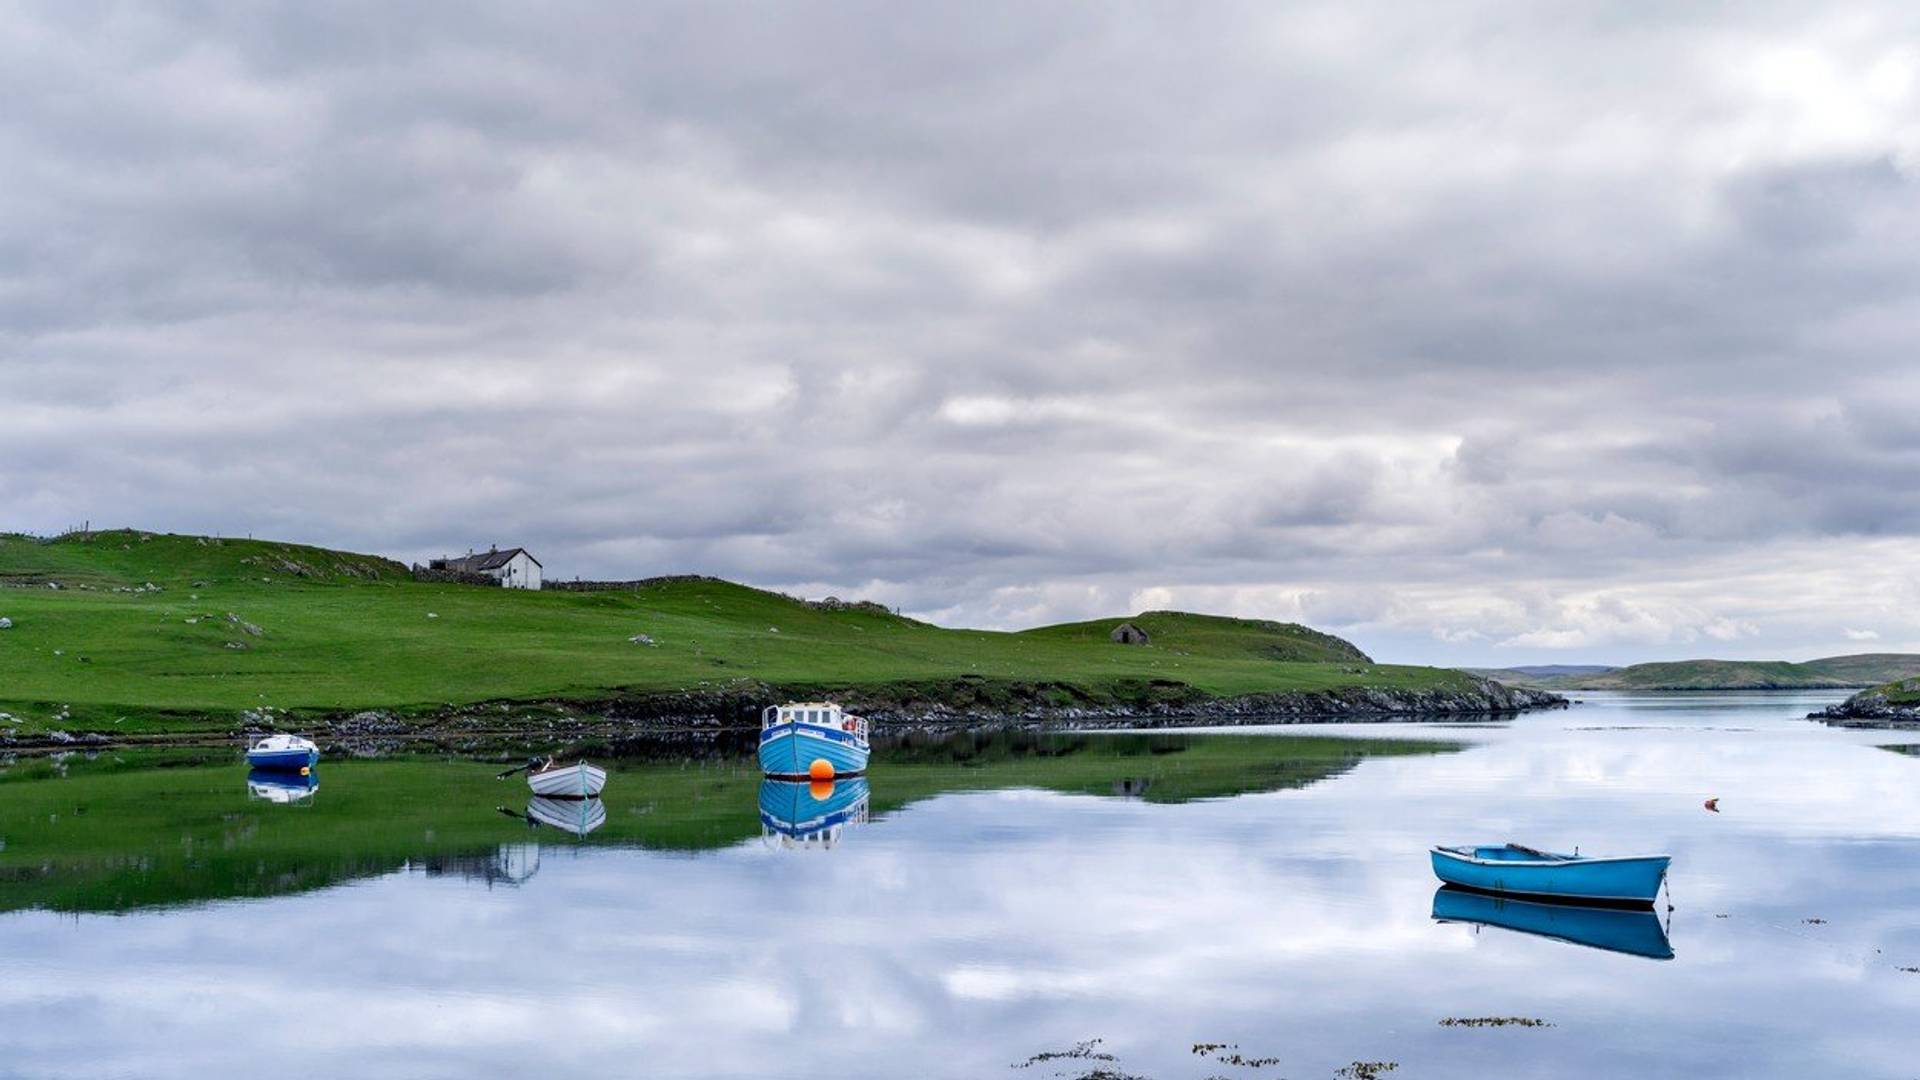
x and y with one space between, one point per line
1635 931
812 740
286 753
1524 871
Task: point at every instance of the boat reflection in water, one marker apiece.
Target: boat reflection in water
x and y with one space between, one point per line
811 813
1634 931
576 816
284 788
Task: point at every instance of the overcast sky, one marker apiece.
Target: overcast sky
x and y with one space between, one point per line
1478 333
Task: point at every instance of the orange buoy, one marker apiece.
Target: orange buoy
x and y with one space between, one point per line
821 790
821 769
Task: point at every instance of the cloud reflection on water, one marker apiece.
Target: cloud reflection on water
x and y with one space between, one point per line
964 933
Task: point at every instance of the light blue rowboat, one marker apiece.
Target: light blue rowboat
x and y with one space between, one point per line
1635 931
793 738
1523 871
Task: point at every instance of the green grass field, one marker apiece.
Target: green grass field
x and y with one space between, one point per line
339 632
154 828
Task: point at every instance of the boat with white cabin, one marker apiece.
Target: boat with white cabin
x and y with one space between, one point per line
289 753
815 740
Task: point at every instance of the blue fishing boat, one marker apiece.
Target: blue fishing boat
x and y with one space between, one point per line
811 812
816 740
1635 931
1524 871
288 753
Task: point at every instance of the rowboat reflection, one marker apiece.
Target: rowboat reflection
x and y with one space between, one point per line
811 813
284 788
1634 931
576 816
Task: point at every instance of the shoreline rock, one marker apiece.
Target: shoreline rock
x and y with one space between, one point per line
1873 708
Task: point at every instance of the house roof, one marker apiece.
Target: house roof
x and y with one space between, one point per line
490 560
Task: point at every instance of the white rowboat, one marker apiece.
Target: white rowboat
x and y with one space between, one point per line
577 780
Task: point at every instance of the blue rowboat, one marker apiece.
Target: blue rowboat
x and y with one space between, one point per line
812 740
286 753
812 810
1634 931
1523 871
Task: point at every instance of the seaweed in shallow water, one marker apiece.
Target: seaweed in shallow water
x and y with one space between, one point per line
1494 1021
1083 1051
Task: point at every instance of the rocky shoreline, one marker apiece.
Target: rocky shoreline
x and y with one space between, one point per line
1873 708
697 717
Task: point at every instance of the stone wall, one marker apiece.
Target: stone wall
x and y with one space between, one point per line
455 577
622 586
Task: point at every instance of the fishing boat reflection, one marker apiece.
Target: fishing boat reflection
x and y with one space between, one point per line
576 816
1634 931
811 813
284 788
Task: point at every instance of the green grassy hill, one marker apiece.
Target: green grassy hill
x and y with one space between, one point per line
1833 672
1213 635
149 629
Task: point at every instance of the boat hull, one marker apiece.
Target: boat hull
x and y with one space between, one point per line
1634 931
282 760
1624 880
790 749
578 781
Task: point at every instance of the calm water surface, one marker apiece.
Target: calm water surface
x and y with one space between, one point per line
981 906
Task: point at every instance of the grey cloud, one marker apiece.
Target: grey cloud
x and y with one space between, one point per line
1450 325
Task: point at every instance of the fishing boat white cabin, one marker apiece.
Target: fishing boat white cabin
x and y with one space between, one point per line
815 740
288 753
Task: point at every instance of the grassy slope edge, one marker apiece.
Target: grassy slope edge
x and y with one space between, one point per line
154 628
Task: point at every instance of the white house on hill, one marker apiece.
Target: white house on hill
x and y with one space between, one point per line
512 568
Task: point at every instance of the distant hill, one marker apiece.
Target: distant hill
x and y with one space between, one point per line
1832 672
1538 674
